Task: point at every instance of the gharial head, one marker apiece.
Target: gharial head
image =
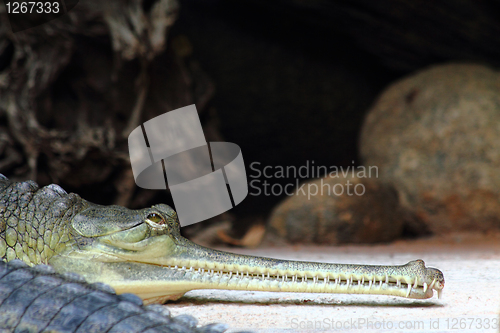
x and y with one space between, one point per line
118 231
107 235
142 251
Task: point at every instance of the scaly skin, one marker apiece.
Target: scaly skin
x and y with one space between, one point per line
142 252
36 299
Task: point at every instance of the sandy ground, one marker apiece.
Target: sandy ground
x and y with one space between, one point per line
471 302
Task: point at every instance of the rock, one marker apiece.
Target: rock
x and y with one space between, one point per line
435 137
363 212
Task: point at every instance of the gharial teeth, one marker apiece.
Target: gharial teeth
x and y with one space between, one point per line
432 284
349 281
409 290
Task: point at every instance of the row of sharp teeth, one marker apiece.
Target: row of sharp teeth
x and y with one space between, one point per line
314 279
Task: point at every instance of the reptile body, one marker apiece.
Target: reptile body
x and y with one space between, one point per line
142 252
37 299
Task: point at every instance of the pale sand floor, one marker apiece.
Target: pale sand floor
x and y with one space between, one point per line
471 302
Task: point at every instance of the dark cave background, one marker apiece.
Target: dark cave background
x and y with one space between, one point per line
289 81
294 79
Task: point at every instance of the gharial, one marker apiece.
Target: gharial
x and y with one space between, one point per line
142 252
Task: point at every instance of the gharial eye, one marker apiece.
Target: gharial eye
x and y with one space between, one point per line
153 217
